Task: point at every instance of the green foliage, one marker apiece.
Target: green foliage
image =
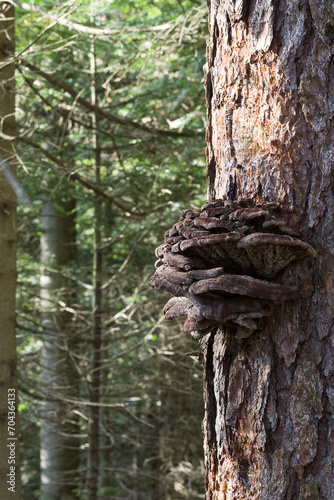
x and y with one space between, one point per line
151 140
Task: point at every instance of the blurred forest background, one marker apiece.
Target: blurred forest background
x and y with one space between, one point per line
110 148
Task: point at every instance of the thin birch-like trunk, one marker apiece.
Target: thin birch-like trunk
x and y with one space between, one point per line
59 435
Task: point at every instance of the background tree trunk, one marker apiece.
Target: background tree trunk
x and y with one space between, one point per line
8 382
269 428
94 463
59 447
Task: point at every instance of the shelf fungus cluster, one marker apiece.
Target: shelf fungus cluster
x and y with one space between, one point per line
219 264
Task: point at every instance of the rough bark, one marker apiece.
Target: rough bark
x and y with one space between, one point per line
59 435
268 427
8 382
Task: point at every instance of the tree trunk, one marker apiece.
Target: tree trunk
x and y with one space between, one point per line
9 446
59 448
95 475
269 427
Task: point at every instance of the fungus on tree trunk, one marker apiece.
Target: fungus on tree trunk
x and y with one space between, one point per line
219 263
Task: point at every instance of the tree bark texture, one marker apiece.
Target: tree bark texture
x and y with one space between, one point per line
59 435
8 381
269 399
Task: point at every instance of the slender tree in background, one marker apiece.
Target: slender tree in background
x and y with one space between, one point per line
269 428
8 381
95 390
59 435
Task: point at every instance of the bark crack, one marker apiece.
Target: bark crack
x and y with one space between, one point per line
229 131
212 402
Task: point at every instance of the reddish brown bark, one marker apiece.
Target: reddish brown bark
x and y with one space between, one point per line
9 430
269 427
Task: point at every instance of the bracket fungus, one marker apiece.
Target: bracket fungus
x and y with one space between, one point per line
219 264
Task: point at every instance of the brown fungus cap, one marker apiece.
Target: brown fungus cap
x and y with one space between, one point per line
180 277
218 250
270 253
246 285
180 306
